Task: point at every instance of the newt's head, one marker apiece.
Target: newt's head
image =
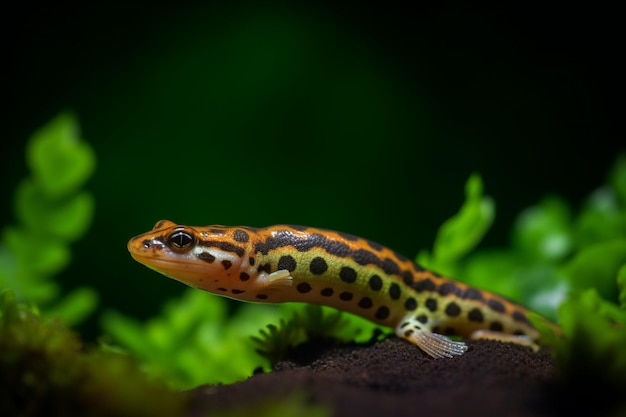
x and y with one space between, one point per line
203 259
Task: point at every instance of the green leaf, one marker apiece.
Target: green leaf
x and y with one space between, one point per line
126 331
597 267
36 253
543 231
67 219
59 160
74 307
601 219
463 231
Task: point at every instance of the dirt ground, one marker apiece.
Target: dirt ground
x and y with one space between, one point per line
394 378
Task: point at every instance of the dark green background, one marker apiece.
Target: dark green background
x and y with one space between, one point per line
362 117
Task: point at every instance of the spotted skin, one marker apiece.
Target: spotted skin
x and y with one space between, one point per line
287 263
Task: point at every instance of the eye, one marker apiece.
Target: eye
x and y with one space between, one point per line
180 240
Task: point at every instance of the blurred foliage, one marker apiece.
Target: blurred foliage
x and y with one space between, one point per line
461 233
553 250
592 358
46 371
52 212
194 329
559 261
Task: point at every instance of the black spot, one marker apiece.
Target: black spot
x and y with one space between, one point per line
521 317
265 267
346 296
376 283
227 264
448 288
406 323
206 257
431 304
453 309
366 302
475 315
422 318
407 277
225 246
251 261
496 305
222 289
303 287
394 291
424 285
287 262
408 333
410 304
496 326
382 313
318 266
237 291
241 236
261 296
472 294
327 292
347 274
243 276
519 333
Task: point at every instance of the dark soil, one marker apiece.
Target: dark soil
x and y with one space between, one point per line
394 378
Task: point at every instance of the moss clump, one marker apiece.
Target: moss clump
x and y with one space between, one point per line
44 370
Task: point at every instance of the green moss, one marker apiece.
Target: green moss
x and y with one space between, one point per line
45 370
458 235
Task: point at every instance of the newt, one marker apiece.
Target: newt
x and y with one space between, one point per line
287 263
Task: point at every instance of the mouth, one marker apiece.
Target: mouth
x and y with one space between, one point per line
180 270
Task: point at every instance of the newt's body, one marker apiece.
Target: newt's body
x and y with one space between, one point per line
294 263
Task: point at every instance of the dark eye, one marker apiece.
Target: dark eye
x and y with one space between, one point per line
180 240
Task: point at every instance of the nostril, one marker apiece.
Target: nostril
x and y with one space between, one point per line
146 244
